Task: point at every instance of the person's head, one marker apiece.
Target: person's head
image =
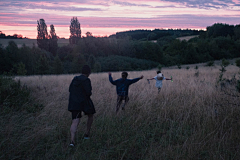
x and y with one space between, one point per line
158 72
86 70
124 75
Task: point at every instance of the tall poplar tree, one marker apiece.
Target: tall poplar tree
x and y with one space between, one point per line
53 45
42 38
75 31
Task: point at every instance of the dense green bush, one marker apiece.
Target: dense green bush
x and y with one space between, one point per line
218 42
159 67
225 62
179 66
210 63
15 97
238 86
121 63
237 62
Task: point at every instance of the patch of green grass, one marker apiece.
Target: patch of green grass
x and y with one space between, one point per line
15 97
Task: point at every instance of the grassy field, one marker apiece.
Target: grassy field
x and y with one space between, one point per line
190 119
30 42
61 42
187 37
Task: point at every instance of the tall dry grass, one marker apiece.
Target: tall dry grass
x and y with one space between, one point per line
189 119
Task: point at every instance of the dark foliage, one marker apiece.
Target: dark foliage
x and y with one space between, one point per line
120 63
237 62
155 34
75 31
15 36
219 29
42 38
53 39
128 50
15 97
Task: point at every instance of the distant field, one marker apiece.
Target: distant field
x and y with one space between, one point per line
187 38
61 42
30 42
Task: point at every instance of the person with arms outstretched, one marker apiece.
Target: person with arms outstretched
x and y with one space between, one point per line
122 86
159 78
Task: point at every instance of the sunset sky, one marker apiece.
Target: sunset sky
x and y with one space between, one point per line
106 17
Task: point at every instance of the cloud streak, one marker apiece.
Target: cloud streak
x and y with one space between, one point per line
206 4
45 6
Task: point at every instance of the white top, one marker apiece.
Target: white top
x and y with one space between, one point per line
158 82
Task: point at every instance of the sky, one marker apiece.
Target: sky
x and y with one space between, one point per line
106 17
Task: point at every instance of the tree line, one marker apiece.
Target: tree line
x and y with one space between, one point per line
155 34
14 36
118 53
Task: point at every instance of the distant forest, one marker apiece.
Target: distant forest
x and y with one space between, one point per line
14 36
123 51
156 34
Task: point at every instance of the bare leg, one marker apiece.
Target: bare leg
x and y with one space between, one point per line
118 106
123 106
89 124
125 103
73 128
119 102
159 89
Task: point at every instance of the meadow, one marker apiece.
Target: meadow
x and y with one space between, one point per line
187 37
192 118
61 42
30 42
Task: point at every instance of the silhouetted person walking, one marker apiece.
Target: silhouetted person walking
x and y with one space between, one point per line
79 101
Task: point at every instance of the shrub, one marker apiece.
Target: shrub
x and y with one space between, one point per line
187 67
122 63
225 62
238 86
210 63
179 66
15 97
237 62
196 67
159 67
196 74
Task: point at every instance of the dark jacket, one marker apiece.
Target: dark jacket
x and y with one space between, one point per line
122 85
80 91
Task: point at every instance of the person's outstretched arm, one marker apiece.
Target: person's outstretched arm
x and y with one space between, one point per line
150 79
135 80
168 78
110 79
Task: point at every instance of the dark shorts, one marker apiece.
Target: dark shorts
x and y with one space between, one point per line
121 98
76 114
86 107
